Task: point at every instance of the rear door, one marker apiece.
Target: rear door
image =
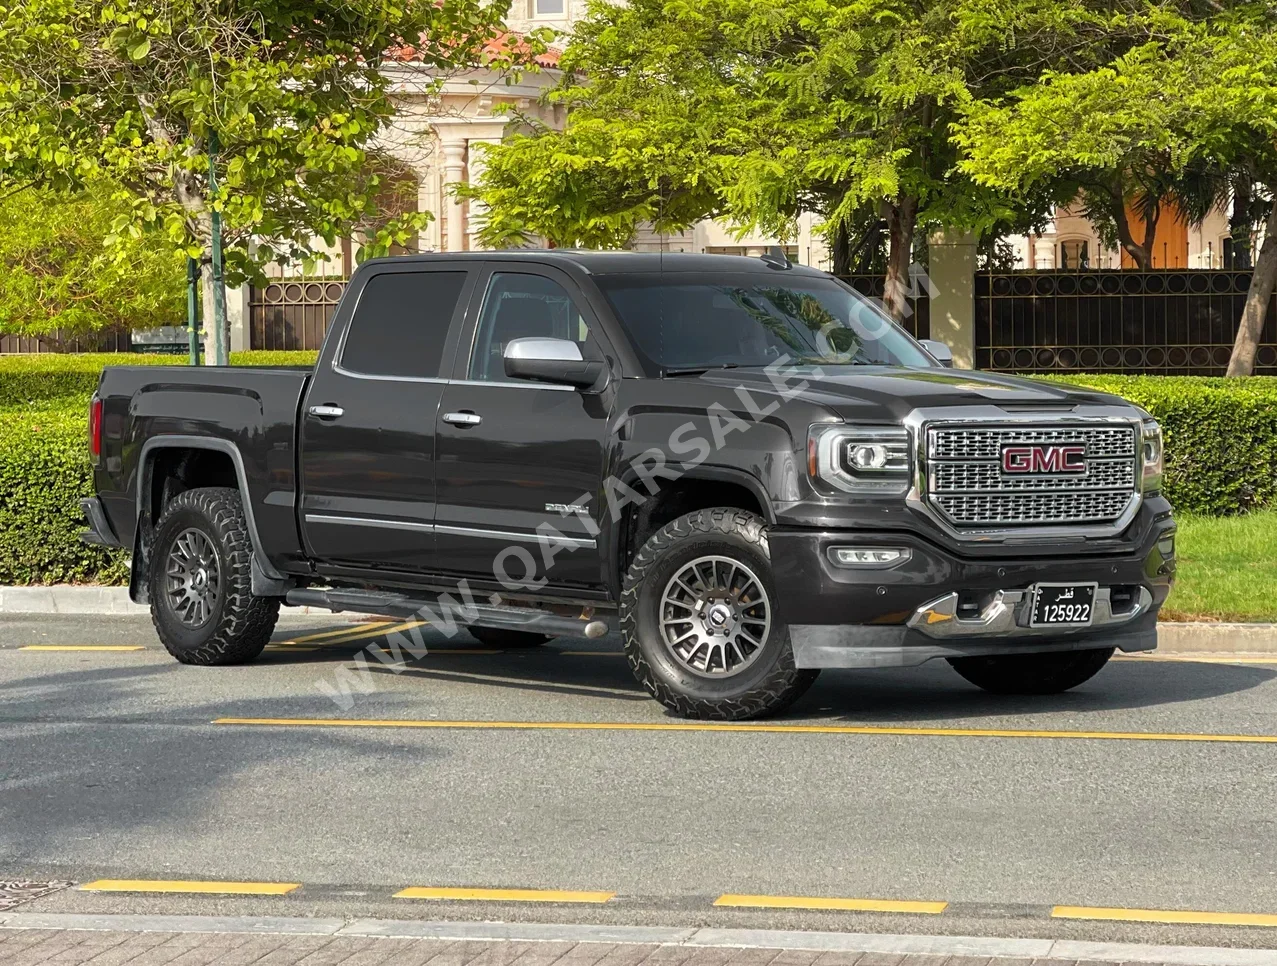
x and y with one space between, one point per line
516 454
368 421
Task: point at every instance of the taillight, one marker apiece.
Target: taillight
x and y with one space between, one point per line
95 429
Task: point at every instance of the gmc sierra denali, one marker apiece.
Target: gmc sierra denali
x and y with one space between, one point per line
740 464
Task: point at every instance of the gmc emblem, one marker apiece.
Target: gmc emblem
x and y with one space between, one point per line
1042 460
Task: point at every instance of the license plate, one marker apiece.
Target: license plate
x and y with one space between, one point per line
1068 605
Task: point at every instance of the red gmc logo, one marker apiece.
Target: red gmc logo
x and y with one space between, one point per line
1044 459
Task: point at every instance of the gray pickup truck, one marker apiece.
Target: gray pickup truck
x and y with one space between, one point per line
738 463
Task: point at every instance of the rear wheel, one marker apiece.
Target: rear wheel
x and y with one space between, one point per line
699 623
502 637
202 603
1049 673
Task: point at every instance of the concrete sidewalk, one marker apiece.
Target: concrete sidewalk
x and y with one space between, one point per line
44 939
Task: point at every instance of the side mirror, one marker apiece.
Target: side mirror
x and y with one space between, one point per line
938 351
551 360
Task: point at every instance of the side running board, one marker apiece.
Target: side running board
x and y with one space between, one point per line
587 624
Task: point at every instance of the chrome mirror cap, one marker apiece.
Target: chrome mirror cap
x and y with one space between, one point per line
938 351
542 349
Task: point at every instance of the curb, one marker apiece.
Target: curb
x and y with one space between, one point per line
1174 637
73 599
899 945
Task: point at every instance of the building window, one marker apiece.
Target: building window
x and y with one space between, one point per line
548 8
1074 255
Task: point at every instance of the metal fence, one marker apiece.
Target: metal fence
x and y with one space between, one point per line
918 321
115 340
1160 322
292 313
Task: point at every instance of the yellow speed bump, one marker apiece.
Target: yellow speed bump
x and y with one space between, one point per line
1165 915
829 902
505 895
742 726
196 886
82 647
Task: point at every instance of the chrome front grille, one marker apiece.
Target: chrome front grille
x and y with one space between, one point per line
966 482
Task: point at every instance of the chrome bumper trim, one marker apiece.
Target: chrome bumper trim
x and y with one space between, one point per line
1008 616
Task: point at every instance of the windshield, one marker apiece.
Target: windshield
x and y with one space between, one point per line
694 320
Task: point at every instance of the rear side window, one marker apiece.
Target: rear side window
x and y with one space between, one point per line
401 323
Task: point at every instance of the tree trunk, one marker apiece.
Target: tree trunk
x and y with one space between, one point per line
1258 296
1239 223
840 249
902 216
1141 253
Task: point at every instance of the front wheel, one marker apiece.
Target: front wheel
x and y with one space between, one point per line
699 622
202 602
1049 673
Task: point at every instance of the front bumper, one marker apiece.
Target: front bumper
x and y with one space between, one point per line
939 604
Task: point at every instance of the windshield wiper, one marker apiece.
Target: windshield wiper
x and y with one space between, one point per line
697 370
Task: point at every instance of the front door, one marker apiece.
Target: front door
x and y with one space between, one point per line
368 419
515 455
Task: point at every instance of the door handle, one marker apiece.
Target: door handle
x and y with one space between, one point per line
326 412
463 419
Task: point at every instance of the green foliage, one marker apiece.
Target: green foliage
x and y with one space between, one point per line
44 472
294 91
35 380
755 110
55 272
1225 569
1221 437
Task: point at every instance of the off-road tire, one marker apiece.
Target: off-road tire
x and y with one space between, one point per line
766 687
504 637
240 625
1050 673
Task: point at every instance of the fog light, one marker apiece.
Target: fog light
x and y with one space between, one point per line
1166 546
878 558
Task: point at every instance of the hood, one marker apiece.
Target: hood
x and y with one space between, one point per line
882 393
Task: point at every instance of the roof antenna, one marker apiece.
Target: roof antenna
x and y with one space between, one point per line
775 257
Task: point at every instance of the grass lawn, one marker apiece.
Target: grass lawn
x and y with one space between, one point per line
1227 569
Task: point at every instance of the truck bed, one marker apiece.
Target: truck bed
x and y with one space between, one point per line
250 410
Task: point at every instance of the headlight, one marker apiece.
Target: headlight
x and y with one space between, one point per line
1151 456
859 459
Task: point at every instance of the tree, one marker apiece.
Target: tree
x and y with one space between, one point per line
56 275
756 110
286 96
1197 95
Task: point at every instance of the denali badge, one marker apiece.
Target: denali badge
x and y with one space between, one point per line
1043 460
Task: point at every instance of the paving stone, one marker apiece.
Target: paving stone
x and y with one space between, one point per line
795 957
627 954
839 959
880 959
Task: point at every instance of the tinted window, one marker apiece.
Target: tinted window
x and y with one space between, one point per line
742 319
520 306
401 322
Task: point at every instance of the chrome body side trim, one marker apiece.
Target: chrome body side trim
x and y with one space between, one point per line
579 543
369 522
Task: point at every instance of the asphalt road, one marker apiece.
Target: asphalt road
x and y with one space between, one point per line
111 766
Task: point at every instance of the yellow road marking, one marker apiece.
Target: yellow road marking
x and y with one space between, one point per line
740 726
82 647
166 885
455 650
506 895
826 902
368 633
1165 915
342 632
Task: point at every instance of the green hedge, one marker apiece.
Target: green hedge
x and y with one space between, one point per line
47 376
1221 437
1221 454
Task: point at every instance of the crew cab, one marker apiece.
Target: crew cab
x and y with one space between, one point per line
740 464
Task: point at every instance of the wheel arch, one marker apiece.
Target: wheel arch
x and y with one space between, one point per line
226 468
699 489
